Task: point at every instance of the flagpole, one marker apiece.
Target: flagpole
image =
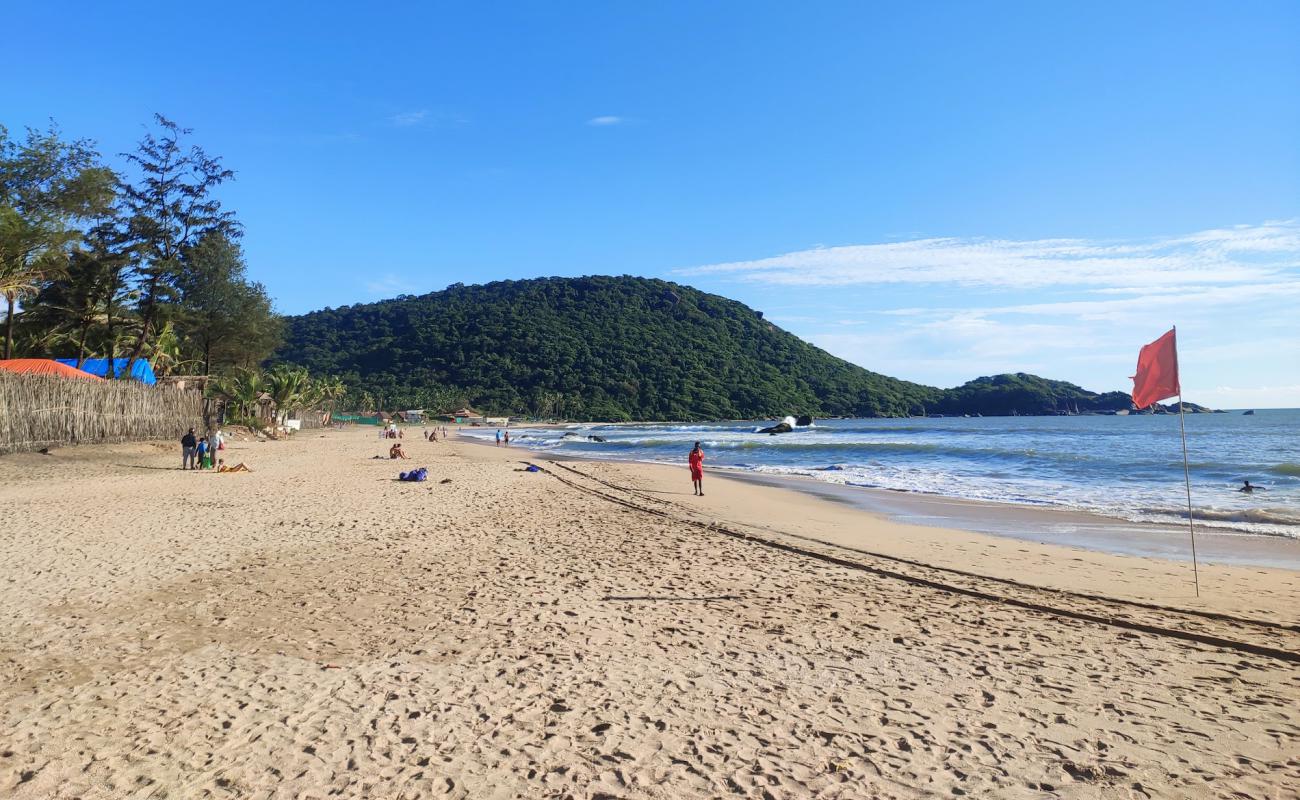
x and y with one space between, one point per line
1187 477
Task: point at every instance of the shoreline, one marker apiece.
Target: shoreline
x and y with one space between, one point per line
1059 527
795 508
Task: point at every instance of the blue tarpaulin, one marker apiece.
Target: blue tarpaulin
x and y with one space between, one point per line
99 366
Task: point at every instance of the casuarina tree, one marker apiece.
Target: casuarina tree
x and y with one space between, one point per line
227 320
168 208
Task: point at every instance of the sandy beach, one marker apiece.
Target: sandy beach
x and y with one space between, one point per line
317 629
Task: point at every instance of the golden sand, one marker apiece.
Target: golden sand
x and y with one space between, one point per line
316 629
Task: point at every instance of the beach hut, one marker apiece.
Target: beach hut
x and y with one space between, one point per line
45 366
467 416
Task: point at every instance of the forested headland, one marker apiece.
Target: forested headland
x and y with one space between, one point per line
623 348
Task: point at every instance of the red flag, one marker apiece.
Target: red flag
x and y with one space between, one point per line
1157 372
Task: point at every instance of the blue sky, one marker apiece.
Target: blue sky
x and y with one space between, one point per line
933 190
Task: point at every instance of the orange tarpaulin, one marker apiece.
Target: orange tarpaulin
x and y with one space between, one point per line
44 366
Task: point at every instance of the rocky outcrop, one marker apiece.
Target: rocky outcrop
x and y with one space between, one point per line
781 427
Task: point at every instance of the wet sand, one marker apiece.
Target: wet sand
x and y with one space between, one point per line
317 629
1054 526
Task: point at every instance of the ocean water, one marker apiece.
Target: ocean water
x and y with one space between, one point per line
1129 468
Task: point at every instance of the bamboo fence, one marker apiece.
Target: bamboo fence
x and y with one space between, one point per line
38 411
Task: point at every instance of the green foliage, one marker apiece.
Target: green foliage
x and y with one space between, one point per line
46 184
622 348
167 210
225 319
1004 395
612 348
288 388
157 275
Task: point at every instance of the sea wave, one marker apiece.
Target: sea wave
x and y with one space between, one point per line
1271 521
1264 516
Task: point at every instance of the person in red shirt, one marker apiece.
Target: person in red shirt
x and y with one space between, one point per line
696 460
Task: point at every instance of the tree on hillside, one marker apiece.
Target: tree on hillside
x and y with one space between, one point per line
46 184
167 211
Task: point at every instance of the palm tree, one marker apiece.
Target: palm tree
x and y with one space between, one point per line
331 389
242 388
290 388
165 351
76 303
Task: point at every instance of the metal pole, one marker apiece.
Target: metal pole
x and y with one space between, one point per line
1187 477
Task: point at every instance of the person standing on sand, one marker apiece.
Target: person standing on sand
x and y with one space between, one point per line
188 447
507 438
696 460
498 438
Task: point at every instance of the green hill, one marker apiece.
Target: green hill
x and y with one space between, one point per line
621 348
1003 395
595 348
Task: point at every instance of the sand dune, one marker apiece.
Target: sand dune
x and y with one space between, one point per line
316 629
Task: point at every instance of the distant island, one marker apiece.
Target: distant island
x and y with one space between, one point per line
628 348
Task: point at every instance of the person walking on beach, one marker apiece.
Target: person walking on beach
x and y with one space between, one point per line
189 445
498 437
696 460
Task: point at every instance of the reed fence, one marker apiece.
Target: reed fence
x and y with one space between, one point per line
308 420
39 411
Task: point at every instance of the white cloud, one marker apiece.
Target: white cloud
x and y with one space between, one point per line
605 121
407 119
1184 301
1222 256
1073 309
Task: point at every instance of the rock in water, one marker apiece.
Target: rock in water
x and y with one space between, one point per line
783 427
803 421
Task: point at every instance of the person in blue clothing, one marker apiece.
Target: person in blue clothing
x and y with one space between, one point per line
498 437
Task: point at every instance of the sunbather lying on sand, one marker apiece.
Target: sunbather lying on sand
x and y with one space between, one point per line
240 467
